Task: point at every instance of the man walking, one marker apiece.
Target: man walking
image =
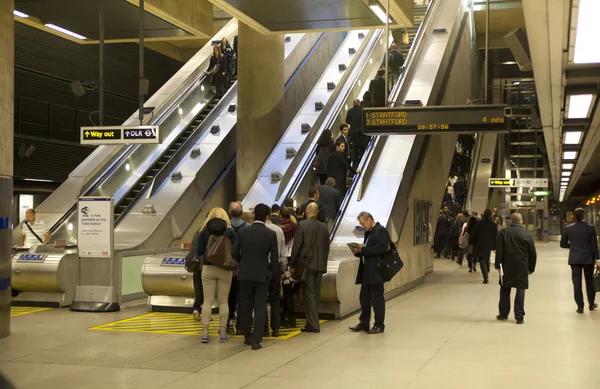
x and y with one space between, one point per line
377 243
515 260
581 240
311 245
484 242
257 253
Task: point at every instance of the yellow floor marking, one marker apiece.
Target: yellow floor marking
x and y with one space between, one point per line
20 311
180 324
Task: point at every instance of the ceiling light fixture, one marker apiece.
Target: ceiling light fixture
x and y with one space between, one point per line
516 83
572 137
65 31
567 166
377 10
586 41
566 174
565 179
20 14
579 106
569 155
509 63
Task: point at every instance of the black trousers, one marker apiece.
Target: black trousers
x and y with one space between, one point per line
275 300
289 304
372 296
253 296
198 290
233 298
484 262
504 305
588 273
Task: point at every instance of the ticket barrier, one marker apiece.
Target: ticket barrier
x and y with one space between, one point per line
45 276
169 286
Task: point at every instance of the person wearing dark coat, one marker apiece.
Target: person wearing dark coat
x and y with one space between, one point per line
515 260
460 191
377 88
376 244
447 200
484 242
311 243
441 230
338 167
344 129
218 68
471 229
257 254
582 241
330 199
325 147
358 139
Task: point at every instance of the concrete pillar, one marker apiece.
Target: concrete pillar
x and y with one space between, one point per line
7 75
260 102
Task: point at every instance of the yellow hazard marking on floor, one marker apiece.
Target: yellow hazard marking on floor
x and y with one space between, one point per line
182 324
20 311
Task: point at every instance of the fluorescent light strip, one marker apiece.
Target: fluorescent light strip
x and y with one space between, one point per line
573 137
586 41
65 31
567 166
566 174
20 14
377 10
579 106
565 179
568 155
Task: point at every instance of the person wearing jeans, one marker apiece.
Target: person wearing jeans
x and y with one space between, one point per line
215 278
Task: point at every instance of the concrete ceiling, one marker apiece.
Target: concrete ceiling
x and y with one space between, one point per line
505 16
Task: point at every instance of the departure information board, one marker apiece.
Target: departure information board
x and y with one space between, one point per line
119 135
435 120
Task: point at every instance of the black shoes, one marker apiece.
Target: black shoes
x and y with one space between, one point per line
486 281
593 307
376 330
256 346
358 328
275 334
248 342
520 321
266 334
580 310
308 329
500 317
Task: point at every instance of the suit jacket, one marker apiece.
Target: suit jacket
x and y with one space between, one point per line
337 167
484 238
515 250
255 245
582 240
442 227
354 119
377 88
459 190
347 143
331 201
311 236
377 243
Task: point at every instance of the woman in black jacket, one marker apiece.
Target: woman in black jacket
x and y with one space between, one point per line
367 100
325 147
218 68
471 229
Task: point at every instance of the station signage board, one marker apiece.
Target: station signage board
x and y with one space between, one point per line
107 135
518 183
95 228
435 120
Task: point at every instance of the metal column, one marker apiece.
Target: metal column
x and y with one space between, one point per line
101 60
141 64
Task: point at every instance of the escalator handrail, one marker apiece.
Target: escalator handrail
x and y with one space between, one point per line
324 120
367 164
331 117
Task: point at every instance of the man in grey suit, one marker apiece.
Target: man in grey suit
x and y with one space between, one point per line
256 251
311 245
582 240
330 199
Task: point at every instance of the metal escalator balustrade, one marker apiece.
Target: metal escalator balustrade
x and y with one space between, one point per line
136 191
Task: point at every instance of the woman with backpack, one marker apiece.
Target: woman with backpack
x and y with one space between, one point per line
215 243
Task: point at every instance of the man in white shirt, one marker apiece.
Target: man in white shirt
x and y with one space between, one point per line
33 232
275 284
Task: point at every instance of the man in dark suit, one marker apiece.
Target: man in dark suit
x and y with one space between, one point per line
484 242
359 140
311 245
582 240
344 128
441 230
515 260
460 191
338 167
377 88
377 243
257 253
330 199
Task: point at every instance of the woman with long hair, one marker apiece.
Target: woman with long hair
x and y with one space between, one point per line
218 68
368 100
289 227
471 226
325 146
215 277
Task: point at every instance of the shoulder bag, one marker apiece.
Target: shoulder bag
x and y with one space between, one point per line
33 232
193 263
596 279
390 264
218 252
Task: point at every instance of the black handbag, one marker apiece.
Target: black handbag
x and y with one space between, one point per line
390 264
596 279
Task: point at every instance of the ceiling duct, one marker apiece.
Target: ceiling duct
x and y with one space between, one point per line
518 45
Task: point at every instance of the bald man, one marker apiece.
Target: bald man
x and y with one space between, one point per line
34 232
311 248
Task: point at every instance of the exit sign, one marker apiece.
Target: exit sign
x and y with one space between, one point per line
107 135
541 193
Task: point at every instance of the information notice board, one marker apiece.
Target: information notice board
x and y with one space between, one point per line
95 227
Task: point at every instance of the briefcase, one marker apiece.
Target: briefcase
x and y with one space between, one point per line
596 279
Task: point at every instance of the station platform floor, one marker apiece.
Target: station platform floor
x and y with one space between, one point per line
442 334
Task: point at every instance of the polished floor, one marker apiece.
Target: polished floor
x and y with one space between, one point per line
442 334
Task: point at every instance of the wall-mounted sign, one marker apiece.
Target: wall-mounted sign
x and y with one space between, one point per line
95 227
107 135
518 183
543 193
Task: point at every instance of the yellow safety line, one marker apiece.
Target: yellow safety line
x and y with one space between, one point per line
20 311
